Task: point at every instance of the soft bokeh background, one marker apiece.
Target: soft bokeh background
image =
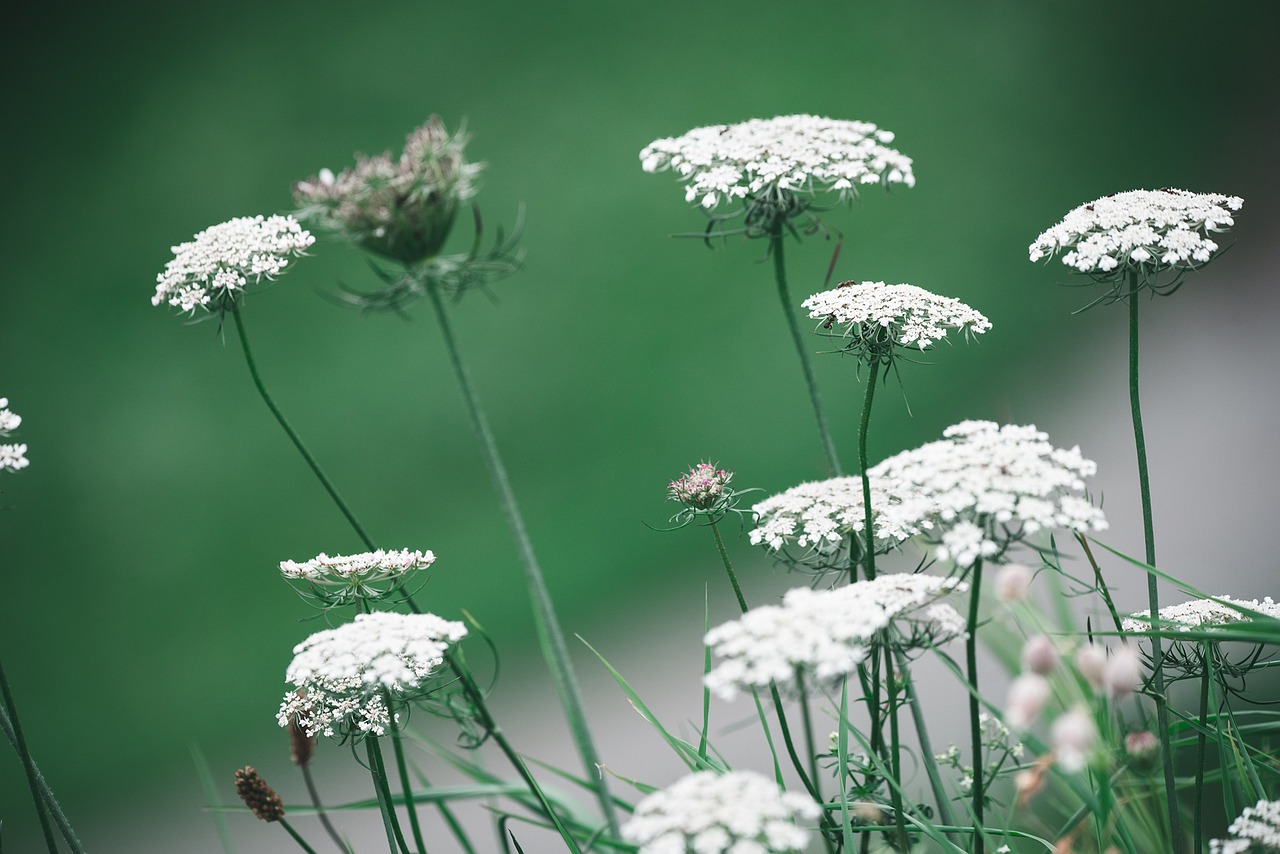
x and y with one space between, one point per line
140 609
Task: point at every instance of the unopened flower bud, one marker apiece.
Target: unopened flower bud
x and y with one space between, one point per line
1072 736
301 745
1013 582
1027 697
1091 661
1123 673
258 796
701 488
1039 655
1143 749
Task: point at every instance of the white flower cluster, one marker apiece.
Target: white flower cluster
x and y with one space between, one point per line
219 262
769 158
1256 831
1147 229
12 456
909 316
344 672
1008 475
740 812
1202 612
820 515
369 566
824 632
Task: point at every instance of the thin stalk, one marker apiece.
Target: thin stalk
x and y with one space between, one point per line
403 769
55 809
868 531
975 727
28 765
895 752
728 567
378 771
491 727
780 276
293 436
806 718
808 784
922 736
550 635
1153 595
320 811
296 837
1198 833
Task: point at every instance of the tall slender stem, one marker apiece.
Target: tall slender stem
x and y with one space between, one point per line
550 635
1198 833
320 811
1153 595
788 310
55 809
403 769
378 771
873 371
895 752
922 736
728 567
975 725
302 843
806 719
28 765
292 434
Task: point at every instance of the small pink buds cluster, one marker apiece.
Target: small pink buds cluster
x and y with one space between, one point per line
703 487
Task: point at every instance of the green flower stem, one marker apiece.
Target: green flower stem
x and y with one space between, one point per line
296 837
293 436
550 636
827 827
806 718
378 771
895 753
403 769
788 310
320 811
927 757
1153 595
28 765
55 809
868 531
975 727
459 667
728 567
1198 833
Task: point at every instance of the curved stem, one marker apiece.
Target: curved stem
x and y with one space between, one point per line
780 276
293 436
868 531
296 837
320 811
809 785
550 635
975 725
1153 595
55 809
895 752
378 771
28 765
922 736
728 567
403 769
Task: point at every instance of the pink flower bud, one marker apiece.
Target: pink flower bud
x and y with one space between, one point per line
1123 673
1027 697
1073 735
1143 749
1091 661
1013 581
1039 655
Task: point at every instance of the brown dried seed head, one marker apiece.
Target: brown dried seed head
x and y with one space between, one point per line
258 796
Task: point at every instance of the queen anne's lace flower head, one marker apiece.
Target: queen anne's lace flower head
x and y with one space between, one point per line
346 674
703 487
739 812
1202 614
874 318
12 456
779 163
826 633
401 208
341 579
1006 482
819 517
1256 831
1144 230
212 270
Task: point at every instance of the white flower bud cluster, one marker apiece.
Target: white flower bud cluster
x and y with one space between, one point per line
822 514
769 158
740 812
1256 831
825 633
1007 475
1202 613
1148 230
908 315
216 265
13 457
366 567
344 672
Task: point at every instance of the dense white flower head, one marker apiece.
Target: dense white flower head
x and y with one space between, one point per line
1008 476
1150 230
12 456
368 566
740 812
826 633
1202 613
821 515
1256 831
212 270
905 315
344 672
784 156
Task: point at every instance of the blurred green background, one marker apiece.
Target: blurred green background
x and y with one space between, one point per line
140 607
